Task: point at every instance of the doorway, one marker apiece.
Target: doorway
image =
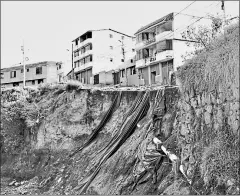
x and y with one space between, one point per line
153 77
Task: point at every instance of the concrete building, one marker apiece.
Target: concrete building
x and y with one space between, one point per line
37 73
97 53
160 48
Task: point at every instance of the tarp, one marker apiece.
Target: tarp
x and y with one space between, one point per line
103 122
139 110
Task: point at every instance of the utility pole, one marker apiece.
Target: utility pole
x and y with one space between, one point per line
224 18
72 64
123 53
24 78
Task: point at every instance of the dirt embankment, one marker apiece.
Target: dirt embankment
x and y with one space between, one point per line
200 125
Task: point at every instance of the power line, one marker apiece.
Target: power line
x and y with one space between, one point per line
185 8
178 29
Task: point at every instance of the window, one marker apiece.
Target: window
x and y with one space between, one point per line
122 60
57 68
122 37
15 84
33 82
21 70
133 50
122 73
132 71
110 35
111 47
60 66
13 74
131 60
38 70
111 59
40 81
75 64
27 70
76 42
2 76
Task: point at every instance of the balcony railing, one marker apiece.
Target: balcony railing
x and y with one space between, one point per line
149 41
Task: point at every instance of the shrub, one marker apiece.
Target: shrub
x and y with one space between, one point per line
220 160
73 85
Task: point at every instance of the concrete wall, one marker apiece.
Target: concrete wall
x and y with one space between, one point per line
106 78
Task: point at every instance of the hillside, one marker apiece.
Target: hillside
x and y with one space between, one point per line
67 140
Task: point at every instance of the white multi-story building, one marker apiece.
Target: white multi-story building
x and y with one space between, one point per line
97 53
160 47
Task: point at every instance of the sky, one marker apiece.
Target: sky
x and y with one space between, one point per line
48 27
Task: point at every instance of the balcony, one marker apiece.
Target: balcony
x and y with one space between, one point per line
164 55
81 44
149 41
86 53
140 63
164 35
82 67
145 43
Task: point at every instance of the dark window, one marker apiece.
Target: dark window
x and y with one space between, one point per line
131 60
38 70
75 64
60 66
21 70
111 59
123 73
111 47
33 82
15 84
27 70
122 60
110 35
133 50
76 42
40 81
57 68
122 37
13 74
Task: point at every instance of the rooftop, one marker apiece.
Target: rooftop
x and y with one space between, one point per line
165 18
104 30
44 63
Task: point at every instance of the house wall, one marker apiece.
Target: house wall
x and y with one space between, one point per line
145 75
49 75
101 51
19 76
52 76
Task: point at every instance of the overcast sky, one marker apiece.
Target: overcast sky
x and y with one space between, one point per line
49 27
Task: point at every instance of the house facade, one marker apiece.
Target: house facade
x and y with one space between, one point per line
160 48
97 53
35 74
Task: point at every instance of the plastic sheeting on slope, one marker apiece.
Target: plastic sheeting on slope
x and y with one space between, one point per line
115 104
127 128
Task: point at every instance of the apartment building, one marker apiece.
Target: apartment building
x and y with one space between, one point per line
37 73
97 53
160 48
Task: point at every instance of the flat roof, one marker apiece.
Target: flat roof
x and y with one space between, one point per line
103 30
43 63
165 18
